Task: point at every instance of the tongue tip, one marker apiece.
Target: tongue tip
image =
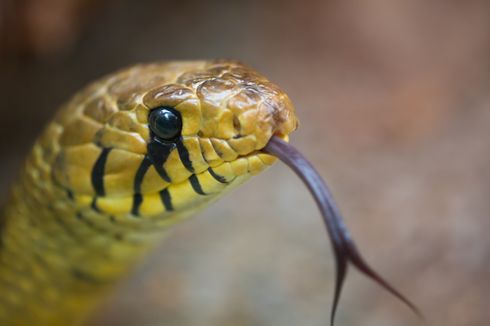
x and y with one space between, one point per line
341 273
356 259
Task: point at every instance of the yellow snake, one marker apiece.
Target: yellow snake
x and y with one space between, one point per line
125 158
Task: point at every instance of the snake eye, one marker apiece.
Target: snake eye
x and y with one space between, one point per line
165 122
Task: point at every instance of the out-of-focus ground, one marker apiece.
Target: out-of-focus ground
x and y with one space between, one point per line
394 103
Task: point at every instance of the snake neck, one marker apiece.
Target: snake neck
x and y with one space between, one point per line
57 262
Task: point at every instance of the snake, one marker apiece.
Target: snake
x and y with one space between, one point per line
127 157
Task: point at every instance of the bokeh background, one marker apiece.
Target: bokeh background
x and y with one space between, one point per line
394 103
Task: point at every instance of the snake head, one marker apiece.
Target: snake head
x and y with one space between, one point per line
112 159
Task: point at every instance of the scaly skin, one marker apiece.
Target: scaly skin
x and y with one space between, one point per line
97 192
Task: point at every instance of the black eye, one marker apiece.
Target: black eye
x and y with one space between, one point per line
165 122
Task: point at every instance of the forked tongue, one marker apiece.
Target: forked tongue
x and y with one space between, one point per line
344 248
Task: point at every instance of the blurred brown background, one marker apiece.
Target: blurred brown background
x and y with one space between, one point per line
395 112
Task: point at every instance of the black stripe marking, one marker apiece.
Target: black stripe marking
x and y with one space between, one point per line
158 153
184 156
98 172
202 153
137 200
217 151
69 193
163 173
166 199
94 205
217 177
86 277
140 174
196 185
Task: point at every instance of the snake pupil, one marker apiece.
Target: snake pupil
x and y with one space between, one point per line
165 122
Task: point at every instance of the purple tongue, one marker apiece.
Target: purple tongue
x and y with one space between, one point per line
344 248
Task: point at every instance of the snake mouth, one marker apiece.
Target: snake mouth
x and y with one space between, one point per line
344 248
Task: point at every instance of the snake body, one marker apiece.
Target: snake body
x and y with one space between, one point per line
99 188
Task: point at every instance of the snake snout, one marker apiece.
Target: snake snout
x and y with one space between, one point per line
260 111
